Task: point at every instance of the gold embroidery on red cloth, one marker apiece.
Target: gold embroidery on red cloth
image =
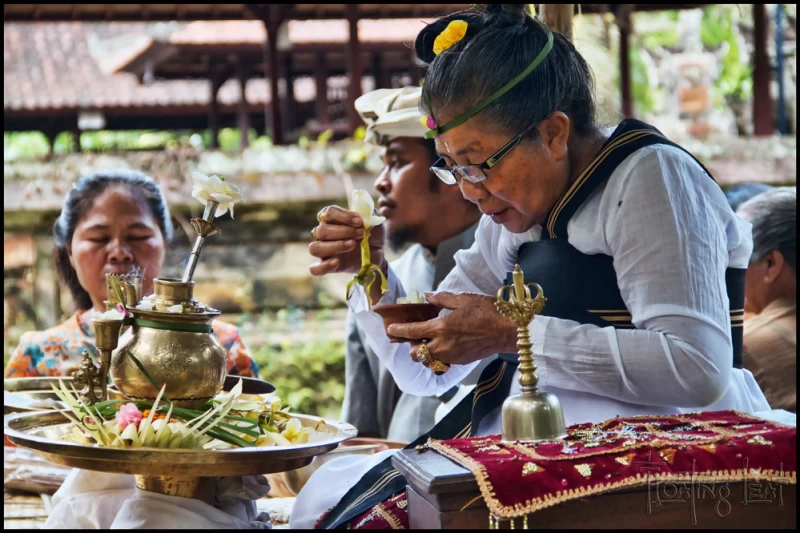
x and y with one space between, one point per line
625 459
711 448
761 441
499 510
500 451
492 448
668 455
629 445
585 470
530 468
392 520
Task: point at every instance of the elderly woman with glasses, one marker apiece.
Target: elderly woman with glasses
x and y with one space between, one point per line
639 255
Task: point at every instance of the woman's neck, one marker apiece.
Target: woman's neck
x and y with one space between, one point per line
583 150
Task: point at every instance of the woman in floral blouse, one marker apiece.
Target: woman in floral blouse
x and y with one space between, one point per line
111 222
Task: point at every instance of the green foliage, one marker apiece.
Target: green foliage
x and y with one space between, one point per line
640 82
309 376
24 145
719 29
34 144
324 137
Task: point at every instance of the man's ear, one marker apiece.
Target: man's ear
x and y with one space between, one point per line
774 263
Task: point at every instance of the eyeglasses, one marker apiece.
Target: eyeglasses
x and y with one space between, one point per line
475 173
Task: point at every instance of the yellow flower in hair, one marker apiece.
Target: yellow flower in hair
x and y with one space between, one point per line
454 32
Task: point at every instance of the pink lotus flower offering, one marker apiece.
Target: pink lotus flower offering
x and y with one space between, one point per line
128 414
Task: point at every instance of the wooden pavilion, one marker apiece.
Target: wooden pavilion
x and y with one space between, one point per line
165 59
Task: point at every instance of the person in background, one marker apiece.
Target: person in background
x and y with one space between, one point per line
111 222
770 333
739 194
436 221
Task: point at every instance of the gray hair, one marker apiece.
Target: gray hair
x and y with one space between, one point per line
773 215
500 42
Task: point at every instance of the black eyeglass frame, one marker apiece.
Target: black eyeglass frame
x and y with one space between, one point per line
448 175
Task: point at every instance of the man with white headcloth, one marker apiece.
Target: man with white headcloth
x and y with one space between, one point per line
435 220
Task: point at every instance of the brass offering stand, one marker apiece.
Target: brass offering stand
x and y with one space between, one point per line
530 415
126 290
173 340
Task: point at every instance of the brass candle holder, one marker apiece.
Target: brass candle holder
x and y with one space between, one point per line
530 415
93 380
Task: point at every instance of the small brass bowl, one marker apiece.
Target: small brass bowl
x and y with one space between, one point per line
405 313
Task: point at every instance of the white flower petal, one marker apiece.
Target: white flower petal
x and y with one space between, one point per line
373 220
199 178
214 188
220 198
361 202
177 308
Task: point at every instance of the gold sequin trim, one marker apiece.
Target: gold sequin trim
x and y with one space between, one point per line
530 468
668 455
392 520
585 470
625 459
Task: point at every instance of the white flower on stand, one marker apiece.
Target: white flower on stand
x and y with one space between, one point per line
215 189
177 308
361 202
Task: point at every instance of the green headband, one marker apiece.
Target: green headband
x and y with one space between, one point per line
463 117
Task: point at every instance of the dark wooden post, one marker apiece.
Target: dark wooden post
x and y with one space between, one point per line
354 66
762 99
291 105
242 111
218 77
272 22
76 139
377 71
558 17
623 19
321 77
51 141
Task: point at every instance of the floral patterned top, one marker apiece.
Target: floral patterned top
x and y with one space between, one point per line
58 351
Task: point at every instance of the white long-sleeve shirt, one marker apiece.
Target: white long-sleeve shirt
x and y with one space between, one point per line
672 235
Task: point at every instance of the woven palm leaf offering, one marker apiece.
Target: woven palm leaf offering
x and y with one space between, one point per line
225 422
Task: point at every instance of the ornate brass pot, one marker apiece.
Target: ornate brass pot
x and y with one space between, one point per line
179 349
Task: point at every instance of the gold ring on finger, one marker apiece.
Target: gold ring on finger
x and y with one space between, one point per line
438 367
321 215
314 233
423 354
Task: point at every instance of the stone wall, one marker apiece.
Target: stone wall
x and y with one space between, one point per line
260 260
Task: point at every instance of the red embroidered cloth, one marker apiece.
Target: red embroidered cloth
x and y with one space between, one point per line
724 446
391 514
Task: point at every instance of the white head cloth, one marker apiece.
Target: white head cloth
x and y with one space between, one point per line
391 113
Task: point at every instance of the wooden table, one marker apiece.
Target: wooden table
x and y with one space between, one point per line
438 490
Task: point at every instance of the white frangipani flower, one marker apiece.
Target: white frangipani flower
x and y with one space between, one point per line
177 308
112 314
362 203
145 305
215 189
